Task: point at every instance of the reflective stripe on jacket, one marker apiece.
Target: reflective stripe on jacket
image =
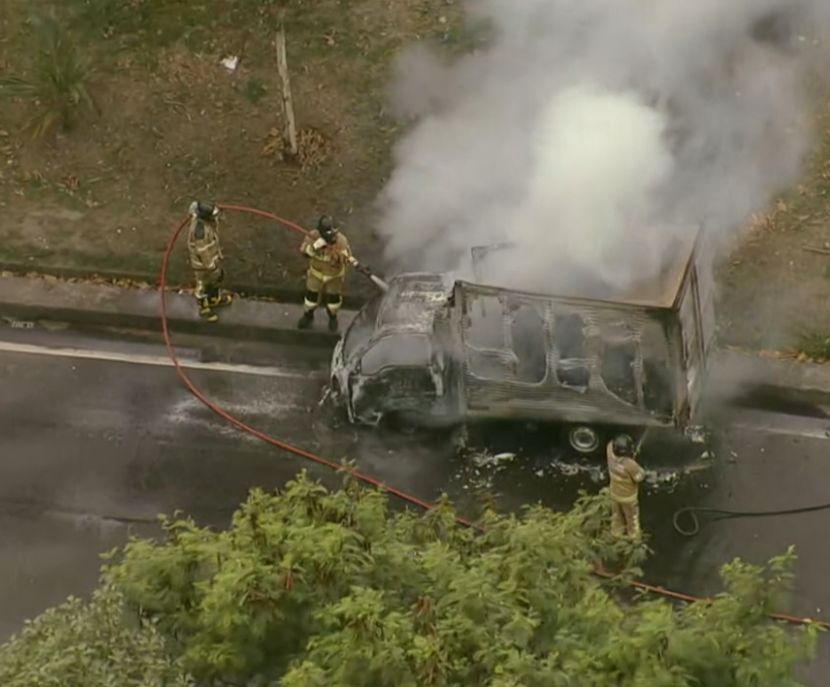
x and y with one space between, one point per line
625 476
205 253
328 262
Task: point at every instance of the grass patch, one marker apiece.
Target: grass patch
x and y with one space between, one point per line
814 345
461 37
155 22
58 83
254 91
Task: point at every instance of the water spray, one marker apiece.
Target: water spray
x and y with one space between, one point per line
367 272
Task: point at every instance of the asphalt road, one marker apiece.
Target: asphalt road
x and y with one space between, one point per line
97 432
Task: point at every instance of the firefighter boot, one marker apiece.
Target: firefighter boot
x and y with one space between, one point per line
332 323
306 320
220 301
206 312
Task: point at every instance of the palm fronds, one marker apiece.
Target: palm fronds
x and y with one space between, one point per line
58 81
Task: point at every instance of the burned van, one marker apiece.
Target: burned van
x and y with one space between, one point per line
436 351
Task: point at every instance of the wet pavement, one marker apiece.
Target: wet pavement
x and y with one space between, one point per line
101 433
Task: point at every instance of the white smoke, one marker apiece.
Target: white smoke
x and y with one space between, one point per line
598 160
590 135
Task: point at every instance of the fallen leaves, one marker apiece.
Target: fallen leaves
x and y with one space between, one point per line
313 147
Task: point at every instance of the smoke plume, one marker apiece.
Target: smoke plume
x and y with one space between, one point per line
591 136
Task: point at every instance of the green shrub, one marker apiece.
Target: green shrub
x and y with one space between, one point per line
814 345
58 81
311 588
254 91
94 643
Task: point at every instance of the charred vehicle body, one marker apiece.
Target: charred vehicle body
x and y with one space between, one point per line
441 352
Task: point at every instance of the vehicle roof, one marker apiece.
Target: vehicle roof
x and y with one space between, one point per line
660 291
412 301
414 298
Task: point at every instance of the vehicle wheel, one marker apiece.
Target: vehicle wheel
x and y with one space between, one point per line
584 439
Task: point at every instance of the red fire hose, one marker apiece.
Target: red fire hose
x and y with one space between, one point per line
362 477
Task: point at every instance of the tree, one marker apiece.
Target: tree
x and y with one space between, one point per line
310 587
97 643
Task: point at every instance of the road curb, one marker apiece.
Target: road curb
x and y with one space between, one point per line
733 373
281 294
93 304
27 299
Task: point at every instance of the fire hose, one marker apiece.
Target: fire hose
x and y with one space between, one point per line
690 514
353 472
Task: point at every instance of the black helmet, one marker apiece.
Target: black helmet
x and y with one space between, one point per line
623 446
207 212
327 228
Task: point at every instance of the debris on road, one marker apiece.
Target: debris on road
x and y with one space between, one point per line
486 459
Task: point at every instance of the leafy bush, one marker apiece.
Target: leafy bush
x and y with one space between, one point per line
814 345
87 644
310 588
58 82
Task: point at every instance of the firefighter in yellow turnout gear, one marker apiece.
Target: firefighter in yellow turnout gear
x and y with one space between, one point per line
625 475
328 253
206 259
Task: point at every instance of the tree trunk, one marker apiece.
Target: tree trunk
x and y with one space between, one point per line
290 129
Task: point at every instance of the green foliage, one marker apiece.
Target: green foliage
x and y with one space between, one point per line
319 588
814 345
58 82
254 90
92 644
311 587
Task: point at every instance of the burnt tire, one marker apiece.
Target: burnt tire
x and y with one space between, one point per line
584 439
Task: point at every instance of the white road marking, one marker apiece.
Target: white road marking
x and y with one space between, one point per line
156 360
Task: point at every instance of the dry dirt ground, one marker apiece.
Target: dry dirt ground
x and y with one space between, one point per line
175 125
774 287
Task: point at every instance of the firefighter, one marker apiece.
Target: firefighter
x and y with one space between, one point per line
206 259
625 475
328 253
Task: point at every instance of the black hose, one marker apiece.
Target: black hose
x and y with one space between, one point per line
720 514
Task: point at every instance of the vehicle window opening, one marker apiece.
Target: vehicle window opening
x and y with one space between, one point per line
657 387
569 340
691 342
485 323
527 330
618 373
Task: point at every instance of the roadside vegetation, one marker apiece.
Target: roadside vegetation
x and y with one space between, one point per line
58 85
311 587
814 346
